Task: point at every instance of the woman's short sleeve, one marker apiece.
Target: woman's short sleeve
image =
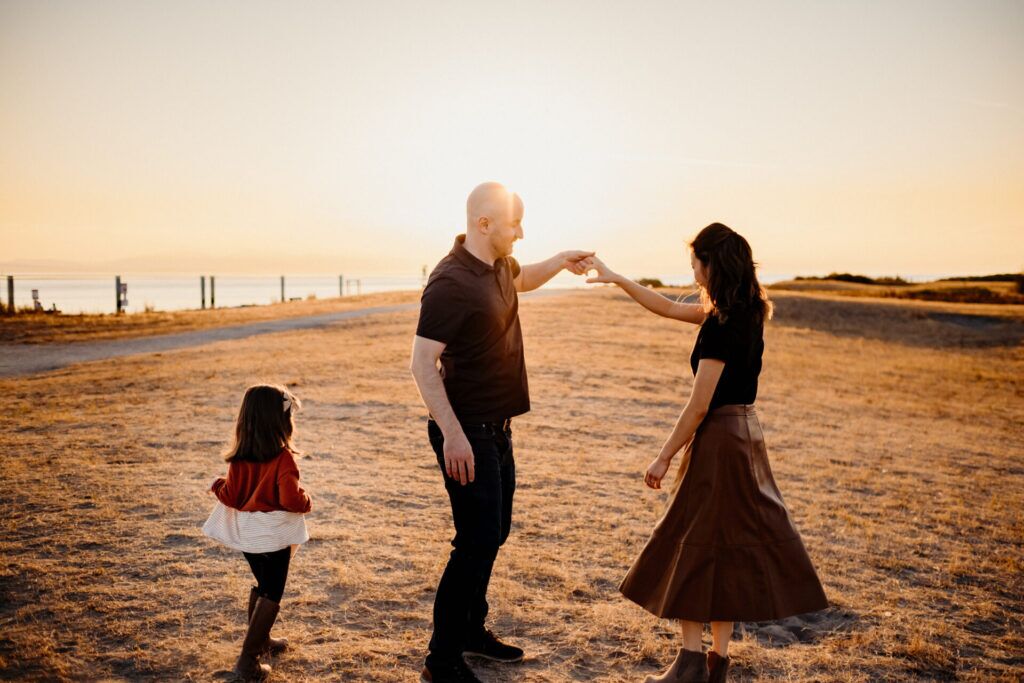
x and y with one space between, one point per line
717 341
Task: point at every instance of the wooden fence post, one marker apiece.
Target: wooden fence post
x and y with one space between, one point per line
282 289
202 292
341 285
213 301
10 295
117 291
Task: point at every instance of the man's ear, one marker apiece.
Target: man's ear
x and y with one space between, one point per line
484 223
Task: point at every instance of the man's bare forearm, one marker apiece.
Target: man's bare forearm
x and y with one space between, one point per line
536 274
431 388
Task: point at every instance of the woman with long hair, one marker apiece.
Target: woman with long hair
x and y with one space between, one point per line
726 548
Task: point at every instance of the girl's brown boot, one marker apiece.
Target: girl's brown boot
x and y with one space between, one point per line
248 667
273 645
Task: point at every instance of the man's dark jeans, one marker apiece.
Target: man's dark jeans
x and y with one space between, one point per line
482 511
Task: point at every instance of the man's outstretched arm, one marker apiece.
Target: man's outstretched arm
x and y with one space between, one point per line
534 275
458 455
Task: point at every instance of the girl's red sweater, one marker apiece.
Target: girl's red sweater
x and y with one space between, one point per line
263 486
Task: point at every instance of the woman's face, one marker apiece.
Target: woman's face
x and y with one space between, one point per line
699 272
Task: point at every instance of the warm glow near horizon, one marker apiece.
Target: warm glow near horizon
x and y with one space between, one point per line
329 136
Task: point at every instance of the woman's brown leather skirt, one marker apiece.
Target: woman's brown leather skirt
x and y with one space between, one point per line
726 548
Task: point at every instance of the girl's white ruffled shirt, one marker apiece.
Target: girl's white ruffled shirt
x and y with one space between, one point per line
255 532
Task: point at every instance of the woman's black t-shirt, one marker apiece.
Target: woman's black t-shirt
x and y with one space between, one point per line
739 342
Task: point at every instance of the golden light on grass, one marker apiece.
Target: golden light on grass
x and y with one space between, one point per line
914 520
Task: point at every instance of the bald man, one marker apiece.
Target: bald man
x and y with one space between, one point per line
469 322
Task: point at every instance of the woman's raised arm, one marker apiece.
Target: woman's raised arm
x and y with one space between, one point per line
648 298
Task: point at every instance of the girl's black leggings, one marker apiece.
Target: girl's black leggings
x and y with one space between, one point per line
271 572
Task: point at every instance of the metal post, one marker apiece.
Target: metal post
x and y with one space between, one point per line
202 291
341 285
213 302
10 295
117 291
282 289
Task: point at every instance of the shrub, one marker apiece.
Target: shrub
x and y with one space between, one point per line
896 280
849 277
998 277
650 282
967 295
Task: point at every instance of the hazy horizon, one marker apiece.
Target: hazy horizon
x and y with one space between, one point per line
337 137
194 267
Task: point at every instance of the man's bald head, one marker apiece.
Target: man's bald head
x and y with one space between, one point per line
494 216
492 201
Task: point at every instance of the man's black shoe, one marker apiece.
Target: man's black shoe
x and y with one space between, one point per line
487 646
456 672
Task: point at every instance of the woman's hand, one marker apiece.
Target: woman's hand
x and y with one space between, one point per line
656 472
574 261
604 273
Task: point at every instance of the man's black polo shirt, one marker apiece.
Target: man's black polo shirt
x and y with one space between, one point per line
473 309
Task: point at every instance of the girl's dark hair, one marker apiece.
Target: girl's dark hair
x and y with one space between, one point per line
264 424
731 274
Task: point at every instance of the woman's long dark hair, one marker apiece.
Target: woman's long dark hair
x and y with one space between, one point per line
731 274
265 424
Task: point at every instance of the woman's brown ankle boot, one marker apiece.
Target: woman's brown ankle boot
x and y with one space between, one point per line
689 667
718 667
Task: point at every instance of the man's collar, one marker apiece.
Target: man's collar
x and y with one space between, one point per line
472 262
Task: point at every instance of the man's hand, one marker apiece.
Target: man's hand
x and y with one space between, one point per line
604 273
458 458
656 472
573 261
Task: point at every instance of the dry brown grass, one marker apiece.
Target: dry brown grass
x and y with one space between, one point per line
41 328
899 453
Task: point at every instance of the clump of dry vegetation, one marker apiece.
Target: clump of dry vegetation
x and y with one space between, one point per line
979 290
899 452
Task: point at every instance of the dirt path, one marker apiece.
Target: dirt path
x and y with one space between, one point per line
17 360
25 359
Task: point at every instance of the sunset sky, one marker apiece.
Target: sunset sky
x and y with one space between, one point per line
874 137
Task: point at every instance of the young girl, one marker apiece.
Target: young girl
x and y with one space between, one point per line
260 511
726 549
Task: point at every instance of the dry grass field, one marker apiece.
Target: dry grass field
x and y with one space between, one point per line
894 429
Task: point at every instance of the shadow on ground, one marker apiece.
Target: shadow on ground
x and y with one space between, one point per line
801 629
896 322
